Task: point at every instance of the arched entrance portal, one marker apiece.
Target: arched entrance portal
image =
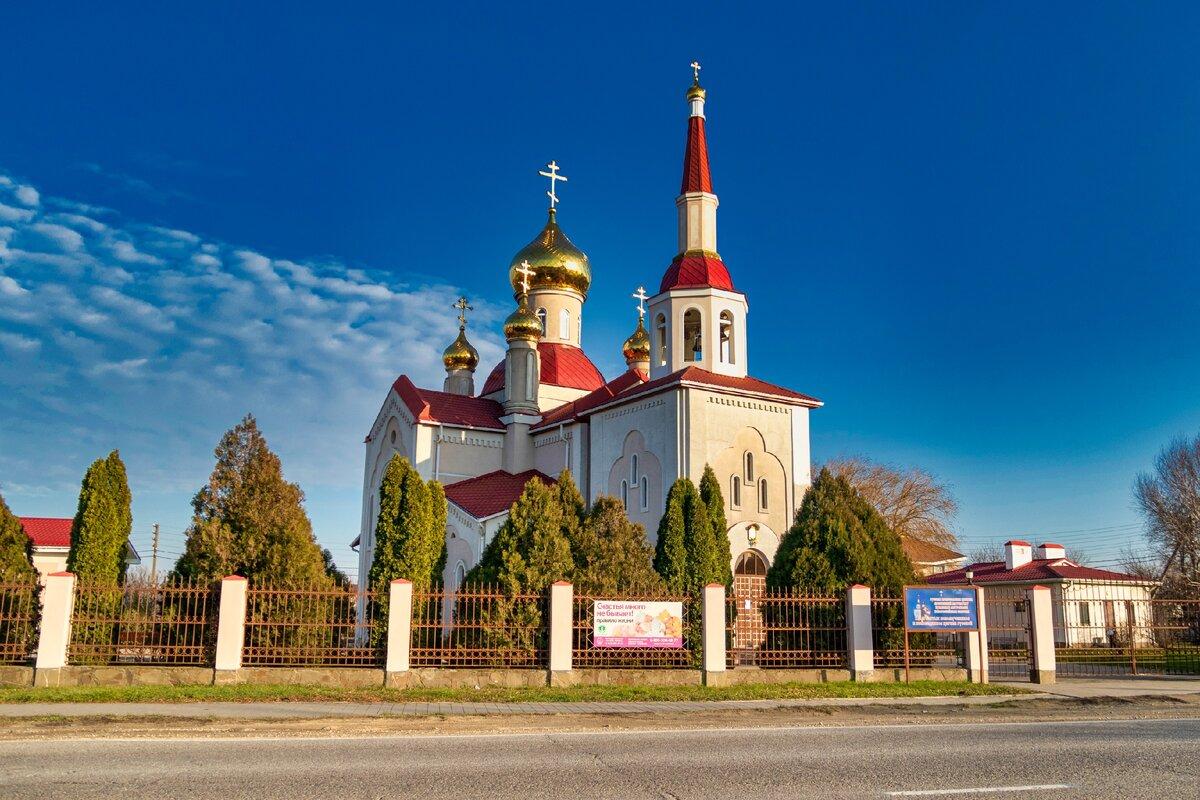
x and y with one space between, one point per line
749 585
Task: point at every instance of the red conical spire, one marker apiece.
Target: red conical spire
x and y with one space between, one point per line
696 175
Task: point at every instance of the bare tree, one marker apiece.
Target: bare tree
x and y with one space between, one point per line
912 501
1169 498
985 552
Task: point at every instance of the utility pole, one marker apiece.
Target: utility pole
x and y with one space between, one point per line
154 557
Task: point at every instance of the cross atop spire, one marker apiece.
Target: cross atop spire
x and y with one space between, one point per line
695 65
463 308
554 177
641 296
525 271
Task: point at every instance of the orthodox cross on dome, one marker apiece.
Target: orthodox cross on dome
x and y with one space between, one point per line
695 65
641 296
525 271
463 308
553 176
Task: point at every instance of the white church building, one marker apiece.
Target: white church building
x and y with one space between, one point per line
686 400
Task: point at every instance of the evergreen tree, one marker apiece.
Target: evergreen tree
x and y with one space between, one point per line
437 503
530 551
710 493
670 550
332 571
573 506
410 533
103 521
839 539
249 521
15 550
612 557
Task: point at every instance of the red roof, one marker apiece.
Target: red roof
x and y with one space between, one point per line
47 531
427 405
492 493
696 175
711 380
1037 570
569 412
696 269
562 365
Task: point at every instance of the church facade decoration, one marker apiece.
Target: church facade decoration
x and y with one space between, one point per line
686 399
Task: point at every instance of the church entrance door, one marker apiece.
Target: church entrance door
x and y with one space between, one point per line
749 586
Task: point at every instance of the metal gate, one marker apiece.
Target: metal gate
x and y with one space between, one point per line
1007 615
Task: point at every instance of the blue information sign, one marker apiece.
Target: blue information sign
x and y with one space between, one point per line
933 609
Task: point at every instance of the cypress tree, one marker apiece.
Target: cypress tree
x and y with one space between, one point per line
710 493
670 550
839 539
249 521
530 551
573 506
15 550
103 521
437 542
410 530
611 554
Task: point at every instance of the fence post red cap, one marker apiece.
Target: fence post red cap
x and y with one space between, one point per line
401 580
1039 586
859 586
562 583
714 586
61 575
233 578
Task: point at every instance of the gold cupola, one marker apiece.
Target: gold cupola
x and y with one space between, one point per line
637 347
523 323
460 354
557 263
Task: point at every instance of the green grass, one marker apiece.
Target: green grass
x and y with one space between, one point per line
249 693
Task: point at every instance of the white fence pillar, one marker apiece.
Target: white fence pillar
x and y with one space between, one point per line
54 632
976 643
231 628
562 601
399 626
860 645
712 623
1042 666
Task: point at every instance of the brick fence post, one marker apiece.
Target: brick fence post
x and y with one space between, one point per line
1042 666
231 629
976 643
712 623
562 601
860 646
54 632
399 630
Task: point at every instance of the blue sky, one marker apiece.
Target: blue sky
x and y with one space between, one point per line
971 230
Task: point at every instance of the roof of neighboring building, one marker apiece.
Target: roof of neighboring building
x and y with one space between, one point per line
427 405
920 551
694 376
48 531
493 493
1038 570
574 410
696 269
562 365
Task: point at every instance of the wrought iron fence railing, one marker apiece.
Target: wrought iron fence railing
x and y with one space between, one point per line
786 629
586 655
328 627
18 621
939 650
170 623
479 626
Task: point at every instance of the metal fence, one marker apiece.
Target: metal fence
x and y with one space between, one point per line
18 621
479 626
1006 612
924 649
170 623
585 655
312 627
1107 629
786 629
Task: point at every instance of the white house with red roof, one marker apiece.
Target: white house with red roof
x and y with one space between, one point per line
50 541
1092 607
686 399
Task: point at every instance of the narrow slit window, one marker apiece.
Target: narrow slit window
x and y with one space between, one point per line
735 492
644 493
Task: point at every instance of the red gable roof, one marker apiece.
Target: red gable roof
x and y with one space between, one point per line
701 377
696 174
492 493
696 269
47 531
569 412
1040 569
562 365
427 405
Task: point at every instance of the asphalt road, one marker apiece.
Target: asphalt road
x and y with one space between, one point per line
1093 759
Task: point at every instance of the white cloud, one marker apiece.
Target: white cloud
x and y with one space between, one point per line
10 287
16 343
27 195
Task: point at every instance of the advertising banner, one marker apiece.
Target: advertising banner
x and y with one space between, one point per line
637 623
934 609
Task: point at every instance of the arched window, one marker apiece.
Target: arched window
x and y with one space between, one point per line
727 350
750 562
693 335
564 324
749 467
660 330
644 493
625 494
762 495
541 315
460 575
735 492
633 471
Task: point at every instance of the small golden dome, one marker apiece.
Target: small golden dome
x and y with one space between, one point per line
558 264
694 92
523 323
460 354
637 346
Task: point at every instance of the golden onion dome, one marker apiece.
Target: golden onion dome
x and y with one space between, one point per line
556 262
694 92
460 354
637 346
523 323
